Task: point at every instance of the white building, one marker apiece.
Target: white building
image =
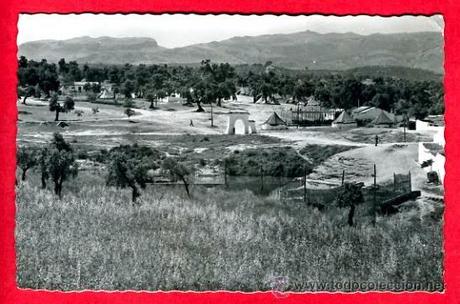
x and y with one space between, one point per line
434 151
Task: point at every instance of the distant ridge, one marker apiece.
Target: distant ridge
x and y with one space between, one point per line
334 51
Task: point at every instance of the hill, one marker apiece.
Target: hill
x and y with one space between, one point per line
309 49
413 74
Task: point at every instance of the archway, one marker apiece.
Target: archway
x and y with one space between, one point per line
233 117
240 127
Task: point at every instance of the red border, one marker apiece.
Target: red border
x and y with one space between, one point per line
9 11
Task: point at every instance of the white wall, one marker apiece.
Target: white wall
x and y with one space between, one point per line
438 166
439 137
438 161
421 125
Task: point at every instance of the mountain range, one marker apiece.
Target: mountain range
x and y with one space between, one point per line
307 49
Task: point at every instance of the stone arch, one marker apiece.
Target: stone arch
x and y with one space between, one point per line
252 126
233 117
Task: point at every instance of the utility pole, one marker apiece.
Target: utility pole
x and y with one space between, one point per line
374 205
298 114
405 125
212 116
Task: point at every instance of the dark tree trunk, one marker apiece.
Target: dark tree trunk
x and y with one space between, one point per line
351 214
23 175
135 193
43 178
56 187
60 188
200 108
151 104
219 102
56 118
25 98
186 186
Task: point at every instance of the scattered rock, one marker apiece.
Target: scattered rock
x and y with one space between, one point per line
62 124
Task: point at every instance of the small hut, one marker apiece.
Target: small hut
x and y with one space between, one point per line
274 122
344 121
383 121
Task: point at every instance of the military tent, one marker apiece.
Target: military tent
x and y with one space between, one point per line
274 122
344 121
383 121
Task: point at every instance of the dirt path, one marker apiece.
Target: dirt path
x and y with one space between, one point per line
358 164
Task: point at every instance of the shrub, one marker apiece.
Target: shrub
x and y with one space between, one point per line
129 112
277 162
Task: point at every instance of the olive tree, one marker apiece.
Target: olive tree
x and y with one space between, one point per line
60 163
349 196
42 163
177 171
57 107
124 172
26 159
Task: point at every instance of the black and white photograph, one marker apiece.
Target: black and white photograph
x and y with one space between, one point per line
184 152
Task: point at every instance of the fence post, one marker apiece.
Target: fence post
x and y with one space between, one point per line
410 182
394 182
374 205
304 185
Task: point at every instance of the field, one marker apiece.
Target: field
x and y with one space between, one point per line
220 238
94 238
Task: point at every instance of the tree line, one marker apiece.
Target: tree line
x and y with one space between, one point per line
127 166
211 83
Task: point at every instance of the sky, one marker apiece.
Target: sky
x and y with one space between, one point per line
179 30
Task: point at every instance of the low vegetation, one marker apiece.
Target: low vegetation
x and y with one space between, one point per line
319 153
94 238
276 161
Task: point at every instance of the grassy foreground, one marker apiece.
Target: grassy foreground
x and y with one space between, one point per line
94 238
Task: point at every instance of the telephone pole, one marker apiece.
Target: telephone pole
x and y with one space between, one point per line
212 116
374 204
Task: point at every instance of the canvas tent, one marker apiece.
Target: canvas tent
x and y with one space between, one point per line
274 122
367 114
344 121
106 94
383 121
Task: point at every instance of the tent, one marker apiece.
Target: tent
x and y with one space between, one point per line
344 121
106 94
383 121
274 122
368 114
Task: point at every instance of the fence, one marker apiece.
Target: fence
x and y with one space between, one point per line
402 183
297 191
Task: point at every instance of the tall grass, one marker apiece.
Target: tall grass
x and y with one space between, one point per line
94 238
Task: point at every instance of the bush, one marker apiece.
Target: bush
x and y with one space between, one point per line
92 97
129 112
319 153
95 110
278 162
82 154
79 113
